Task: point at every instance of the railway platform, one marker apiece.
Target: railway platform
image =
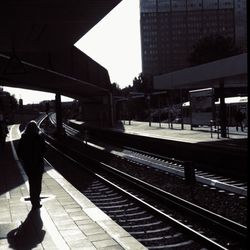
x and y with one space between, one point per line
66 220
202 135
176 133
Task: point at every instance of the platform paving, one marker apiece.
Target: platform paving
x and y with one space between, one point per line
176 133
202 134
67 219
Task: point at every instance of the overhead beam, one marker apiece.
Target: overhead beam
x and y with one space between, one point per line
204 74
38 77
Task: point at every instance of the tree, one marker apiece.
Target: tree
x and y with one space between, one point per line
142 83
138 84
13 103
212 47
115 89
126 91
8 105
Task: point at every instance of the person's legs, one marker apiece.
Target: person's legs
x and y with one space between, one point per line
241 126
35 182
237 125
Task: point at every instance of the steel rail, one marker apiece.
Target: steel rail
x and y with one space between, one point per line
229 226
195 235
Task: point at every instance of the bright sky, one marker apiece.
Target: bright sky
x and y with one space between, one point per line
114 43
32 96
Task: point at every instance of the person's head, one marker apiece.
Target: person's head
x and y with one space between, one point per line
31 128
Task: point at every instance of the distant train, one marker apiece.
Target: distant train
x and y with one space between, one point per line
232 105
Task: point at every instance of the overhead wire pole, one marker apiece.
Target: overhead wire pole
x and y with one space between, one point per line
149 108
58 107
111 109
181 101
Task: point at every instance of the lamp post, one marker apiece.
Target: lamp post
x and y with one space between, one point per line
129 109
159 110
223 116
181 101
148 98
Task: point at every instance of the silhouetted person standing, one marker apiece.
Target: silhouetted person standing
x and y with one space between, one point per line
31 149
239 117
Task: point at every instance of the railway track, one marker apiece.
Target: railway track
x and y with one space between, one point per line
178 168
224 197
157 224
167 164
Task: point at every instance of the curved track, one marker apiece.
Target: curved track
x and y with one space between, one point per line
128 214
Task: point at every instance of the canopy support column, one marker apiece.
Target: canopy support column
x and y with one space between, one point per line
223 115
58 107
111 110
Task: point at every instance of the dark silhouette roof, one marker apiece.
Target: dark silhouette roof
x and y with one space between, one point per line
36 45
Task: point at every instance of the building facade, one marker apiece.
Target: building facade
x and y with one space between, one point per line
170 29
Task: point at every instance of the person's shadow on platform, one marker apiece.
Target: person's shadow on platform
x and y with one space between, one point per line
29 234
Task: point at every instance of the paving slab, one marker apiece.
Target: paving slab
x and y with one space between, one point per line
197 134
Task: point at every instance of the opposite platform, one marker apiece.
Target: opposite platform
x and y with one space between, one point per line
176 133
201 135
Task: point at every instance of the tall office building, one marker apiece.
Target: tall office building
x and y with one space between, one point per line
241 24
170 29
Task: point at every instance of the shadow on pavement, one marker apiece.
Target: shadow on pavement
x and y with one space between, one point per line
29 234
10 177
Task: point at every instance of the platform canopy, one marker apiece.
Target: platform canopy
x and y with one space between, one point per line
37 46
233 70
